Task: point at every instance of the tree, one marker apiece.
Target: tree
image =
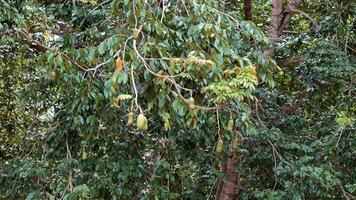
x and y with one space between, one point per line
176 100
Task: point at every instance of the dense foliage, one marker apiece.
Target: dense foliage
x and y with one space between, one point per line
76 75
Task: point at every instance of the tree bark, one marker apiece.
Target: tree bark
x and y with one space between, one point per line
248 9
228 189
280 17
221 183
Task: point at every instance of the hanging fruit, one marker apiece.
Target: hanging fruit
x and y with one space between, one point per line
53 76
130 119
135 33
191 103
219 146
234 144
230 125
142 123
84 155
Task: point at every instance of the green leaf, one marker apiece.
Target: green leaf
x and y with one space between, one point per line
101 48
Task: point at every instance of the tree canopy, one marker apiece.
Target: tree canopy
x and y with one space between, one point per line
177 99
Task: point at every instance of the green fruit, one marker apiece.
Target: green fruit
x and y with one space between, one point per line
145 126
191 103
219 146
142 123
84 155
195 123
53 75
160 72
130 119
234 144
230 125
135 33
167 125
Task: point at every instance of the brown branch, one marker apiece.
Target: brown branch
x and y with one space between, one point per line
290 62
34 44
289 12
74 62
302 97
290 32
248 9
305 15
42 48
352 50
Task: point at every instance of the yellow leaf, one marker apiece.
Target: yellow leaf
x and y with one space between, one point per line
118 63
123 97
47 35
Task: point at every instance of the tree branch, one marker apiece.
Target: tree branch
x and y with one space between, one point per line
42 48
280 18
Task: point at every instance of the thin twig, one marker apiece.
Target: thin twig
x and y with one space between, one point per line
218 123
124 52
64 192
227 15
304 14
340 135
134 10
134 86
42 48
69 185
152 72
347 195
275 167
353 50
102 64
163 9
185 8
102 3
69 156
170 79
211 191
73 62
277 153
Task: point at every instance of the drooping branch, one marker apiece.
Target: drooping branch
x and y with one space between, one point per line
42 48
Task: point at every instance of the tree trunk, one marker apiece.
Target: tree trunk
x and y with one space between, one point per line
228 189
280 17
248 9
